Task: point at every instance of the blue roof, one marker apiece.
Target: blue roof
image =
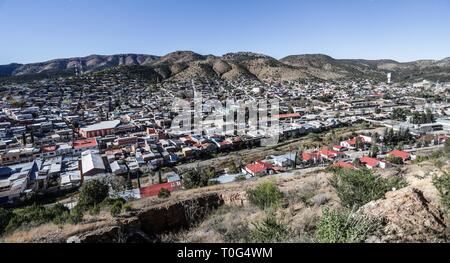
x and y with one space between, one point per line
173 178
5 172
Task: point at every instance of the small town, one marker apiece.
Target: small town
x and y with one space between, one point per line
225 130
58 134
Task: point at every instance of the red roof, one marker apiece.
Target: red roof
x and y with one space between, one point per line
372 162
309 156
85 143
353 140
153 190
344 165
49 149
151 131
258 167
222 143
329 153
400 154
288 116
338 147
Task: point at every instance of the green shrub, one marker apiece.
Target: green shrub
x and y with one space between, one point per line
76 215
59 213
36 215
198 178
5 216
95 210
442 184
240 178
92 193
344 227
395 160
266 195
164 193
127 207
116 208
270 230
358 187
447 146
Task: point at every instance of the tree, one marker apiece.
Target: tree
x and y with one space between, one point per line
360 143
164 193
24 139
399 114
356 188
345 227
32 136
5 216
447 146
291 109
270 230
374 151
116 208
198 178
442 184
265 196
375 138
395 160
93 193
423 118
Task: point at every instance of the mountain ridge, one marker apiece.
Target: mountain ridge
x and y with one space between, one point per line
185 65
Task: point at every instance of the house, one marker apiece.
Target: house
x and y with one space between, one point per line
133 165
258 169
339 148
126 141
118 169
405 156
15 179
16 156
331 155
173 178
286 160
372 163
100 129
288 116
352 143
153 190
311 157
85 145
91 164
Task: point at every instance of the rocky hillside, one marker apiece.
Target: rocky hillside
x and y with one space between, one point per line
224 213
327 67
186 65
84 64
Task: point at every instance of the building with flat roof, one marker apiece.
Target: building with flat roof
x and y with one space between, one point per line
84 145
92 163
14 180
100 129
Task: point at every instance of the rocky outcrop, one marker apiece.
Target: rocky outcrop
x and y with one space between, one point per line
238 198
146 224
181 215
408 216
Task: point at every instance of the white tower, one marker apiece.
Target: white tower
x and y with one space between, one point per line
389 77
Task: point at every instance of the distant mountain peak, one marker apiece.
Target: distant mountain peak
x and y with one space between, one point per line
185 65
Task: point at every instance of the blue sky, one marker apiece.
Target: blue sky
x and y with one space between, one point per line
38 30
